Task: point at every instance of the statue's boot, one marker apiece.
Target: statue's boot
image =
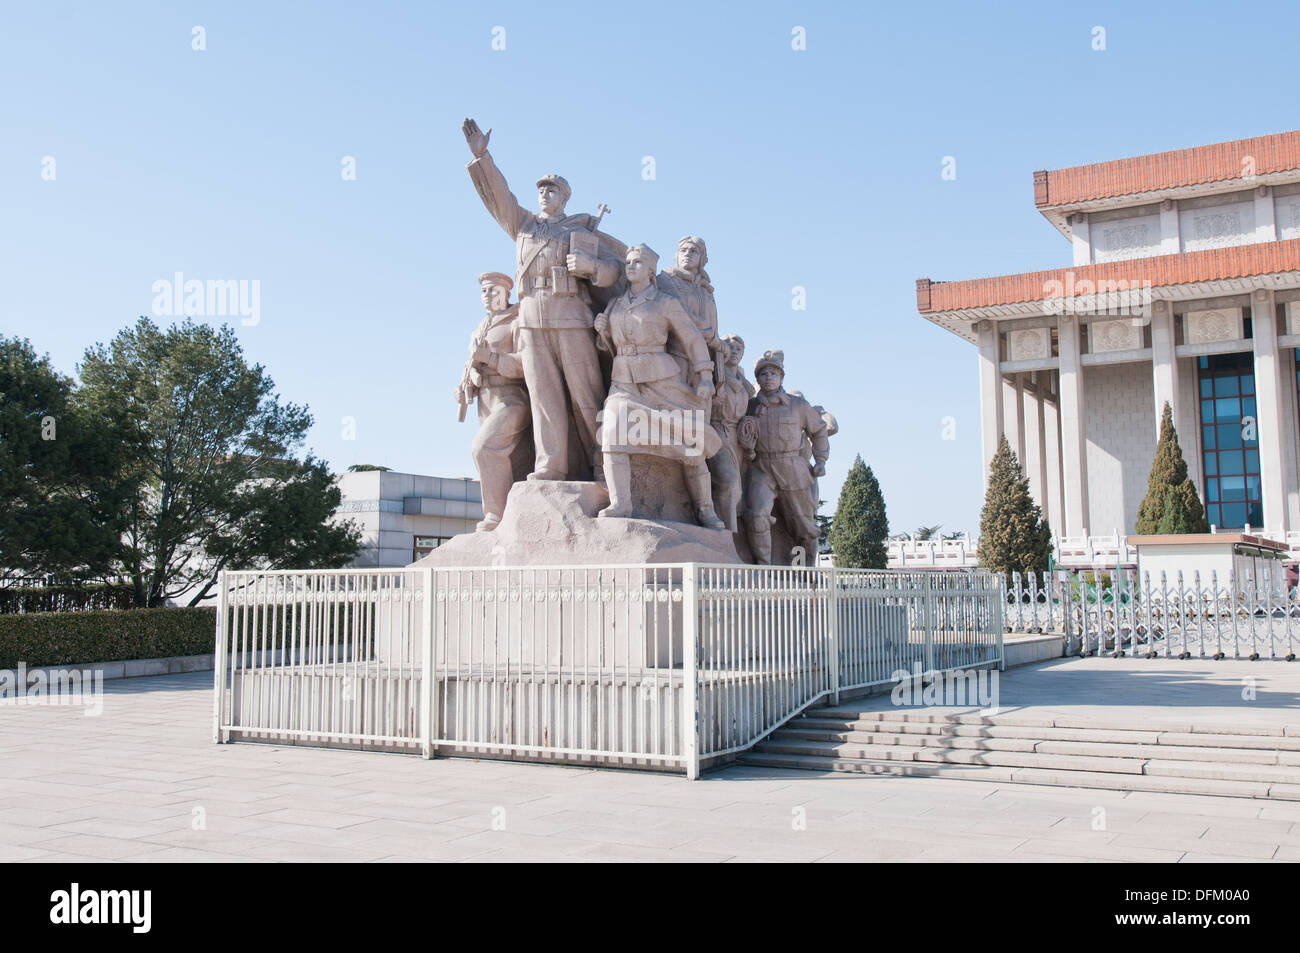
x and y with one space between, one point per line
489 522
618 478
700 486
760 539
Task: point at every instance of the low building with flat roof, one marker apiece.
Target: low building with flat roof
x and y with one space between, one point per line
404 516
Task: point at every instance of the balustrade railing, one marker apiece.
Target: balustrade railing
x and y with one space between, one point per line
658 666
1184 617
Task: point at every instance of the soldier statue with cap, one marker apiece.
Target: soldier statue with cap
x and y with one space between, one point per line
560 260
780 477
502 448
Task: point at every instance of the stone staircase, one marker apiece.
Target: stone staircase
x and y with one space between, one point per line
1231 760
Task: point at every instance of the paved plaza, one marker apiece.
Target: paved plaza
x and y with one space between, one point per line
144 782
1168 693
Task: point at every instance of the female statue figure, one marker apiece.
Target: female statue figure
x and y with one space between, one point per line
649 408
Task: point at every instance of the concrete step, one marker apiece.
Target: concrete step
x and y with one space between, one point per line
1021 742
1271 774
1288 736
1011 759
1170 784
1100 734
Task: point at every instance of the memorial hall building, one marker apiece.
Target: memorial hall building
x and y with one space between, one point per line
1182 286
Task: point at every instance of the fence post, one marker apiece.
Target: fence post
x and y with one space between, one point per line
929 623
220 659
690 682
1066 612
428 691
1002 651
834 634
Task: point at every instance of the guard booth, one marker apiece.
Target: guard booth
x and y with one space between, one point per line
1246 562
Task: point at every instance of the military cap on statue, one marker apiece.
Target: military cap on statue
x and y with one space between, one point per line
771 359
645 252
559 181
496 278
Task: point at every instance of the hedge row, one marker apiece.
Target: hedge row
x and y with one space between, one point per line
65 598
74 638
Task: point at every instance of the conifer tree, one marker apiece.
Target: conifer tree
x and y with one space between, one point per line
1014 537
1172 504
860 525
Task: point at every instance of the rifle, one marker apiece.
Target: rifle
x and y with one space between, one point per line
463 396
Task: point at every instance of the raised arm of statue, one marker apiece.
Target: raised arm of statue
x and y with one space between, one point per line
491 184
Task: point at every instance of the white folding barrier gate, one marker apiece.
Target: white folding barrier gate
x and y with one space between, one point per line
664 666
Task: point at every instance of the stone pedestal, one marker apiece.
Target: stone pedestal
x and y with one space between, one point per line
615 608
554 523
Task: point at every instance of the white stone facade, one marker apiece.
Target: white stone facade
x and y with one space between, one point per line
1076 378
393 509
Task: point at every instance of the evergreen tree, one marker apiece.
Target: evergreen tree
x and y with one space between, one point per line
211 476
59 501
1172 504
1014 537
860 525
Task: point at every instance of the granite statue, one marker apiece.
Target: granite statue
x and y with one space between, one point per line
650 408
560 260
780 479
494 376
730 404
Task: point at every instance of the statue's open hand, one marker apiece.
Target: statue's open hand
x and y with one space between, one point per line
478 141
818 469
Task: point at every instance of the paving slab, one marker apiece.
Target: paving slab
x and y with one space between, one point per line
123 788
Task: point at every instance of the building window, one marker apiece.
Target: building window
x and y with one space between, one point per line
1230 441
427 544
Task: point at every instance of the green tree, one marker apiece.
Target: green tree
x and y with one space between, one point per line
210 476
823 526
1014 537
1172 504
59 512
860 526
927 532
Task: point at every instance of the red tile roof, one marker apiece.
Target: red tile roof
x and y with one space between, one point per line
1215 264
1168 170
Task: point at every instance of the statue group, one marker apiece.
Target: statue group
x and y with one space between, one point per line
605 362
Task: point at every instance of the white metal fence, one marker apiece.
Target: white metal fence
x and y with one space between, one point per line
658 666
1183 617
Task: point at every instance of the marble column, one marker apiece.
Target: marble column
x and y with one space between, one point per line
1164 365
1074 448
990 394
1269 415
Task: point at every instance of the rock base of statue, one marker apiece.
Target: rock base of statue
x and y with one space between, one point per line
555 523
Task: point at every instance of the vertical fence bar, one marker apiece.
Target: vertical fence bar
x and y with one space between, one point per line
428 692
833 640
690 687
219 661
927 600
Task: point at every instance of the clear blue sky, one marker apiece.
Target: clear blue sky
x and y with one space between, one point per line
818 168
